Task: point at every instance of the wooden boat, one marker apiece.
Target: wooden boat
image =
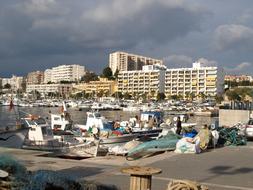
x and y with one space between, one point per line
41 137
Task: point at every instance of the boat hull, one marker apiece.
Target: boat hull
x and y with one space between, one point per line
85 150
148 133
13 139
118 139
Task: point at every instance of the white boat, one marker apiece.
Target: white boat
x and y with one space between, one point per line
96 120
84 104
132 108
61 122
40 137
98 106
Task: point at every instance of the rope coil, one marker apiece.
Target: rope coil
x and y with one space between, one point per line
185 185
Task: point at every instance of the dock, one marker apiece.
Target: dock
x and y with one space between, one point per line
219 169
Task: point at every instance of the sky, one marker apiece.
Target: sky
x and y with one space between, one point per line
40 34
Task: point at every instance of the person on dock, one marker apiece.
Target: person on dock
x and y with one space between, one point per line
179 126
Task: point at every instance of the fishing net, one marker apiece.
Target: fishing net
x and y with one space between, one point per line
18 175
21 179
230 136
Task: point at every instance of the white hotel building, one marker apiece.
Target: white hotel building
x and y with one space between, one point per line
64 73
196 80
123 61
148 81
181 81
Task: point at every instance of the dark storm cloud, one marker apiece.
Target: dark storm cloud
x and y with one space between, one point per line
36 34
39 34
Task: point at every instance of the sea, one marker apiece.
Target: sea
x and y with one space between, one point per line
9 117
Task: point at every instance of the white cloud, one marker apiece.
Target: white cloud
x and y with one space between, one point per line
233 37
207 62
39 6
245 17
242 67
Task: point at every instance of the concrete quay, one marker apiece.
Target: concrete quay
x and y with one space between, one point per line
227 168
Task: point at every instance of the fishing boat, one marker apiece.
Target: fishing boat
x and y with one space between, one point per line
149 124
41 137
102 129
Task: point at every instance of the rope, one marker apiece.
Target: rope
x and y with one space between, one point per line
185 185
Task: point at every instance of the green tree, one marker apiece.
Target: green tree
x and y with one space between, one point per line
116 74
152 94
160 96
7 86
232 95
107 73
127 96
36 94
51 94
192 96
219 98
100 93
187 95
174 97
89 76
66 82
202 96
117 95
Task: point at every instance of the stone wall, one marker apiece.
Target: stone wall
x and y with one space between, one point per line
229 117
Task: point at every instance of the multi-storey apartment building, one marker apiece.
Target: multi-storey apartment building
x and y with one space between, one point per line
36 77
238 78
15 82
64 73
61 89
103 85
196 80
148 81
123 61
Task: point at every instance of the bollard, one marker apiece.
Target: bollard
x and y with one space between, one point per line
140 177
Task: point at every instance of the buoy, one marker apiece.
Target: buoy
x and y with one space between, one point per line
3 174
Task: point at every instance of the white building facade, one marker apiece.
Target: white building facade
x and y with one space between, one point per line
196 80
64 73
15 82
61 89
123 61
149 81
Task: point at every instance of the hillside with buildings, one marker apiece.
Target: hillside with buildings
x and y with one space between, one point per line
127 74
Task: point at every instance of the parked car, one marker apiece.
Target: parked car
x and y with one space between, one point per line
249 129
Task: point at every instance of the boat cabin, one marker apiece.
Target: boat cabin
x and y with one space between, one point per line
60 122
94 119
157 116
39 129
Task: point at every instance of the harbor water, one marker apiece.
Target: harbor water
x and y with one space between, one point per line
8 117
